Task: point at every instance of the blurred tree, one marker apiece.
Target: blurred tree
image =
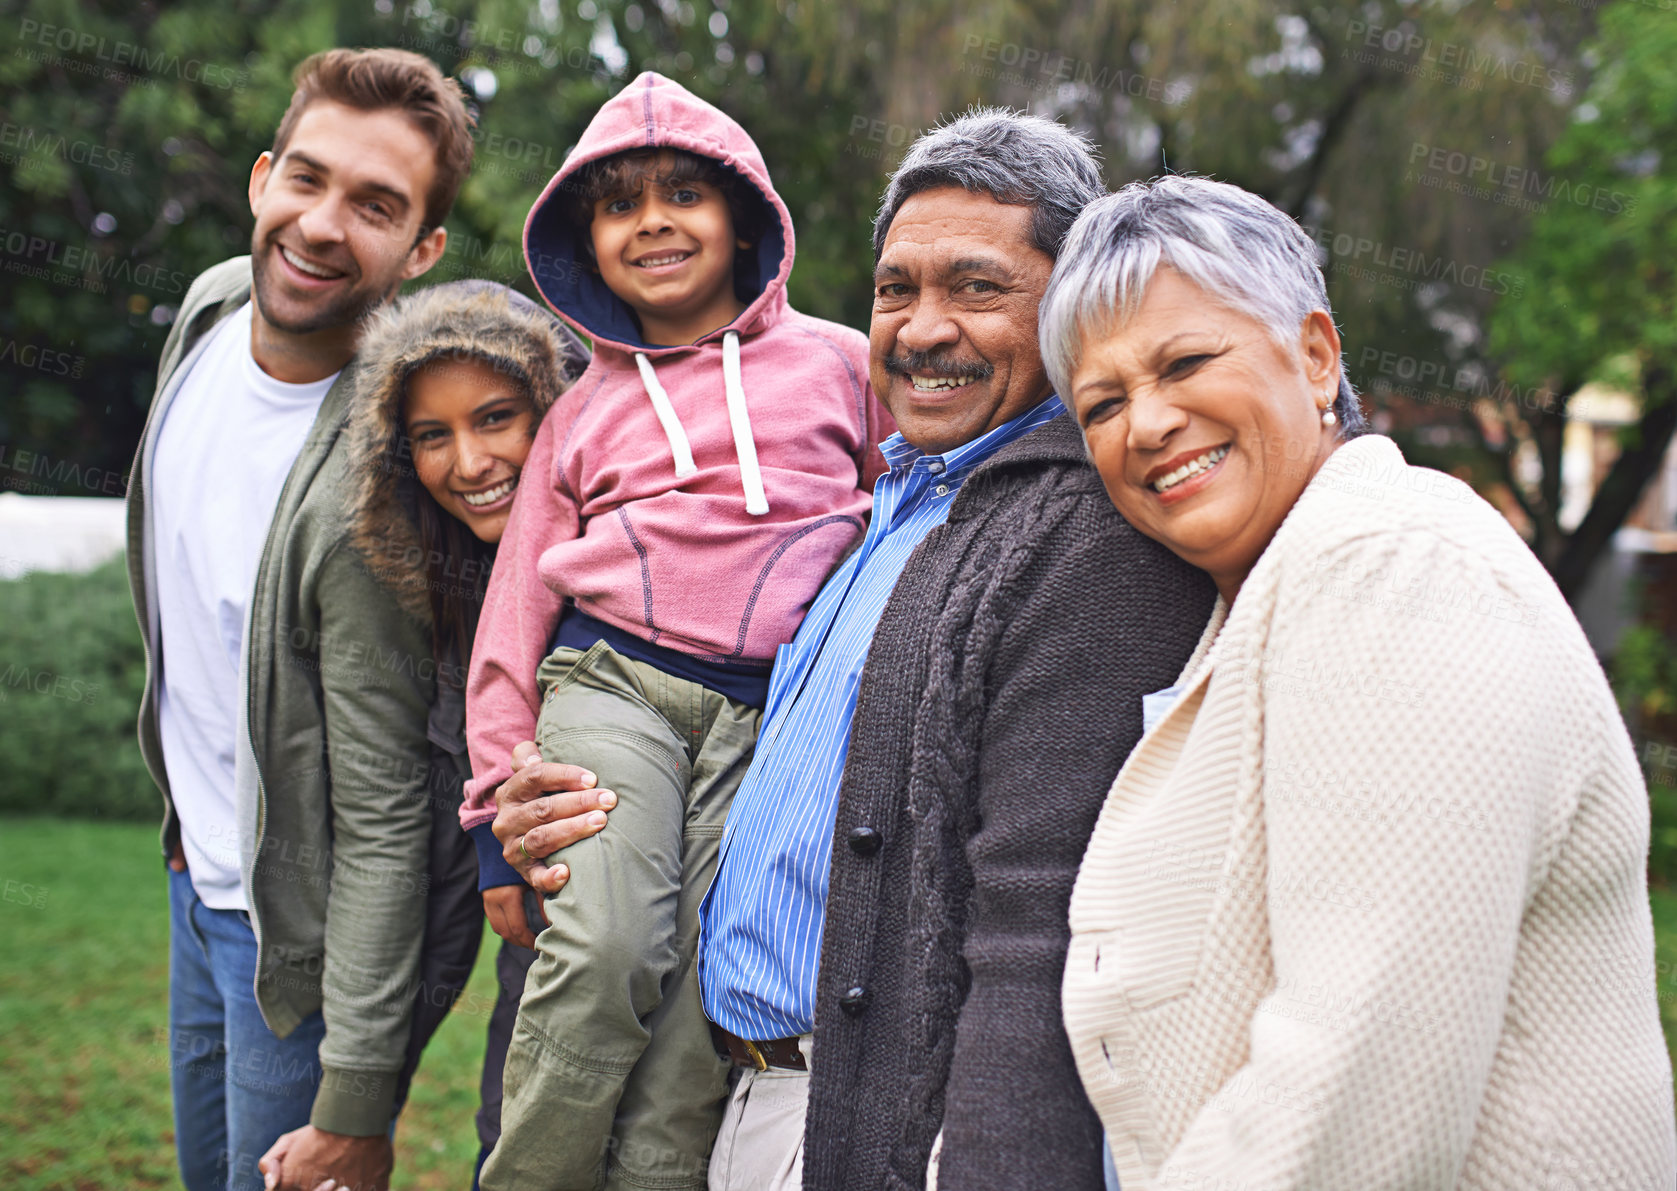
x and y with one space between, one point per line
1403 133
1603 272
124 160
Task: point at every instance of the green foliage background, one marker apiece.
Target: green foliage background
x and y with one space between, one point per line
128 130
71 673
1299 101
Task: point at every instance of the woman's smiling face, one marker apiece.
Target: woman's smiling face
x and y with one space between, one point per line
1204 428
471 427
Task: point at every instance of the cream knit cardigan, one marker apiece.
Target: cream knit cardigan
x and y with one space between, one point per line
1368 908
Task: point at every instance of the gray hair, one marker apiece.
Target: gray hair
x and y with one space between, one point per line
1021 160
1228 241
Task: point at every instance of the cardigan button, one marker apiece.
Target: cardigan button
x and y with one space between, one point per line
855 1000
865 841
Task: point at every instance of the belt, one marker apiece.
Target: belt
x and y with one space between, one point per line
759 1056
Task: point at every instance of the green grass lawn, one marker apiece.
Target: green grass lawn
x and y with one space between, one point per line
84 1077
84 1074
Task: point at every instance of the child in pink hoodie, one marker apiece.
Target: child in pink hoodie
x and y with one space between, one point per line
681 506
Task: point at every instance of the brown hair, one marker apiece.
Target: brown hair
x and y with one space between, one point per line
627 173
375 79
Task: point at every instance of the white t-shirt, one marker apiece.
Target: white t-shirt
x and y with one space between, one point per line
223 453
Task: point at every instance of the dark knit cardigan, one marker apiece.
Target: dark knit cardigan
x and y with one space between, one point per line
1002 692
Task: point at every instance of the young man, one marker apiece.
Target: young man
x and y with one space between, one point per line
286 694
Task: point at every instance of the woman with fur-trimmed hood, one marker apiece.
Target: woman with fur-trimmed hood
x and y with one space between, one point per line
451 384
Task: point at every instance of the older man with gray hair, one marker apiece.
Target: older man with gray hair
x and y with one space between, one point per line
940 733
1003 689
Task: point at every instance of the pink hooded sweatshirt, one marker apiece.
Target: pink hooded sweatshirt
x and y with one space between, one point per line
694 496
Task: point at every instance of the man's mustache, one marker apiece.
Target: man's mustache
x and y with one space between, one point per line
937 364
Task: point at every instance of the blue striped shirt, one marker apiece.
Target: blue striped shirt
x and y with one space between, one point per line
760 939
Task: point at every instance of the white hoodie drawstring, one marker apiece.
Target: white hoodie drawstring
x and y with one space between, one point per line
751 475
679 450
739 420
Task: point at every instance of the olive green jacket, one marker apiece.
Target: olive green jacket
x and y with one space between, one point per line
333 817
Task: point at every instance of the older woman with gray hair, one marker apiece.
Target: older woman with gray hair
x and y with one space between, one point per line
1367 905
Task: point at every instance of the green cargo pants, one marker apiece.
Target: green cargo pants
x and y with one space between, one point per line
611 1079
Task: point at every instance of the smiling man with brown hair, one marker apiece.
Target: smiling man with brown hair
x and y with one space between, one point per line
281 677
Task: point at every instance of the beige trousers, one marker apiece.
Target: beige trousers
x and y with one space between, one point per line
761 1145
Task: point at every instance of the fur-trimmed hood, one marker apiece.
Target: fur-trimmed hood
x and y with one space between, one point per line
474 318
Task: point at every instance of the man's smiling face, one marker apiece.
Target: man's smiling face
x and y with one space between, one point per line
953 341
338 216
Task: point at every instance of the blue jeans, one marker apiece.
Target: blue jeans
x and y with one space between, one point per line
237 1087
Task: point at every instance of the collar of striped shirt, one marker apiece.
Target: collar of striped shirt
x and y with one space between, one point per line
760 937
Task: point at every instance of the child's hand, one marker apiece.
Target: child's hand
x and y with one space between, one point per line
504 907
543 808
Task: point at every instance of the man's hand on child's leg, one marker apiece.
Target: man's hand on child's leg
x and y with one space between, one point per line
543 808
